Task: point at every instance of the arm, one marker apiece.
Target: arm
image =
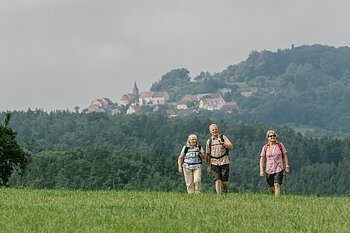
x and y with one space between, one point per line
227 144
262 161
285 159
286 166
179 163
207 157
200 153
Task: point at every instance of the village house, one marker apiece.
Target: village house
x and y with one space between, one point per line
116 111
127 99
230 107
170 113
145 98
101 105
160 97
186 100
132 109
182 104
211 102
246 93
153 98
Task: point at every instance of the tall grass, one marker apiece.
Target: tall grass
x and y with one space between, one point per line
25 210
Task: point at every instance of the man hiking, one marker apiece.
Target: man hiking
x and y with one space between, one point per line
217 160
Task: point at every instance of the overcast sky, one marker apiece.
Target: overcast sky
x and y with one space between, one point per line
58 54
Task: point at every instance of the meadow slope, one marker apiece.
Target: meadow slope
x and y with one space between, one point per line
27 210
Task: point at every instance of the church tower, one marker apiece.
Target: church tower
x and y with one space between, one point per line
135 90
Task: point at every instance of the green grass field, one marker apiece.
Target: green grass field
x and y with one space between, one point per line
25 210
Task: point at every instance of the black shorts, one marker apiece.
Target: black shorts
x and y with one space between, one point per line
274 178
220 172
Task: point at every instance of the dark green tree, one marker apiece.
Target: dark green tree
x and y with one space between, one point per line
12 156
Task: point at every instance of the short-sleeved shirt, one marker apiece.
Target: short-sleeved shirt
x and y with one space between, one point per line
274 160
192 159
217 151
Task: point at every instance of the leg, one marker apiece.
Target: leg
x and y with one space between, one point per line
225 186
197 176
216 172
218 185
188 173
277 189
270 183
225 170
278 183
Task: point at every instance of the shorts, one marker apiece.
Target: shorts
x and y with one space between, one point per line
271 179
220 172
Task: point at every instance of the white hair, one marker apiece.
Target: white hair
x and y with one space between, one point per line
192 136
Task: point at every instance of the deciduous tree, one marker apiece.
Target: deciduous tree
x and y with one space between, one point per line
12 156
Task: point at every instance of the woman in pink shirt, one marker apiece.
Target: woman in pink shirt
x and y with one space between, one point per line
276 162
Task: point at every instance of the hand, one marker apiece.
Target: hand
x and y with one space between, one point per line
286 170
208 169
180 170
261 173
200 154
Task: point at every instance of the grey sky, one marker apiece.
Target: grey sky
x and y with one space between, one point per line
58 54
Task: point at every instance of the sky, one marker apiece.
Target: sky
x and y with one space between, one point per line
59 54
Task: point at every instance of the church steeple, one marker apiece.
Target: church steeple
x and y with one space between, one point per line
135 90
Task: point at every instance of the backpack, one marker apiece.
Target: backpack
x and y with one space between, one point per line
185 152
279 146
222 139
186 149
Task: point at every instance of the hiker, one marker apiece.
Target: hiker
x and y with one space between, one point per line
276 162
217 160
190 163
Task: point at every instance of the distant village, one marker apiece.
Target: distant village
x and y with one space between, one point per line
133 103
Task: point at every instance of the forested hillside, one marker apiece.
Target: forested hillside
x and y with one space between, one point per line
306 86
139 152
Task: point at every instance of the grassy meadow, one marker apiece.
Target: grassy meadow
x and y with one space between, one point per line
26 210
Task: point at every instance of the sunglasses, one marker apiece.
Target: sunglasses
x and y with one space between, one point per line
270 136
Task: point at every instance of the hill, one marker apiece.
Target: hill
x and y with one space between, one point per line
304 87
72 150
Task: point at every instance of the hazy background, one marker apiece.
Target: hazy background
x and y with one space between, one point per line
58 54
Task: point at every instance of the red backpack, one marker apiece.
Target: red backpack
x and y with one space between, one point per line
279 146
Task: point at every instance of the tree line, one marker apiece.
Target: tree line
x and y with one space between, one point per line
139 152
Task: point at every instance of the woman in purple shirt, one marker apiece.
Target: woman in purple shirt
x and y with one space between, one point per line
276 162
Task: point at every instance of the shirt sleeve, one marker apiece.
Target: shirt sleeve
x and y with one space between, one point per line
207 149
284 150
262 153
227 140
183 150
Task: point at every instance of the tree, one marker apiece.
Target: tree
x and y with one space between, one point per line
12 156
